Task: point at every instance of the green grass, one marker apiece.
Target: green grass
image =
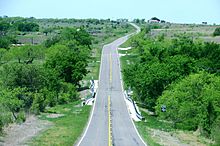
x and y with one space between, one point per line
152 123
145 134
66 129
126 44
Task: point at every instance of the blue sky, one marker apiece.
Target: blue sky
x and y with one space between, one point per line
179 11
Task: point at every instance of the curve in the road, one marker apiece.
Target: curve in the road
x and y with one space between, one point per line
110 122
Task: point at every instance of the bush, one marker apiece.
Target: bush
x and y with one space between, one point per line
64 98
216 132
5 117
51 41
28 27
23 75
38 103
5 114
68 93
4 42
21 117
217 32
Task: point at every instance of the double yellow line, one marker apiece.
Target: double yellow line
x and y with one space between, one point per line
109 123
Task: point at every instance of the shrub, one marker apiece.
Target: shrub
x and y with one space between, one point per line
5 116
216 132
217 32
68 93
21 117
38 103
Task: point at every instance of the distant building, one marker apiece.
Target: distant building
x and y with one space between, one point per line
154 20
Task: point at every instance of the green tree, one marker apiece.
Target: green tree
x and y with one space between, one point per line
4 42
69 62
16 75
216 32
192 102
79 35
4 27
47 30
10 100
25 54
28 26
52 41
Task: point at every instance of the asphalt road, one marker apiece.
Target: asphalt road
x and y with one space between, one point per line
110 123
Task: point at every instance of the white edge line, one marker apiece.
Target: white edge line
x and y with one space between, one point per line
124 95
127 108
91 115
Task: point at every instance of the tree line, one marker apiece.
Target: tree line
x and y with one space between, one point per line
180 74
8 29
33 77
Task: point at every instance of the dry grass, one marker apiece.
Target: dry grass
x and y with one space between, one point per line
204 32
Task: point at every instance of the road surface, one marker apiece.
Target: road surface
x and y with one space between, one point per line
110 123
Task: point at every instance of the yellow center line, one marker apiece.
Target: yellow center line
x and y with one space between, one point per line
110 74
109 105
109 123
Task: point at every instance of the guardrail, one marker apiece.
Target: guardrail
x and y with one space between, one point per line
138 114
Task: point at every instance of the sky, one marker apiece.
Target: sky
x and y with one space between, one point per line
176 11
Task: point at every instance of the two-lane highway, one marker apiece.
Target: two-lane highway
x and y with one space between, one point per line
110 123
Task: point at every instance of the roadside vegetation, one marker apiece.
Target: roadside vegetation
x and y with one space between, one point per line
179 74
44 64
35 77
68 121
216 32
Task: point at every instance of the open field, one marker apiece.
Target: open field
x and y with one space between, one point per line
203 32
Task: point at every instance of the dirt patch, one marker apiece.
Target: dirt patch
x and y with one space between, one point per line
193 139
84 93
55 115
211 39
165 138
19 134
178 138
